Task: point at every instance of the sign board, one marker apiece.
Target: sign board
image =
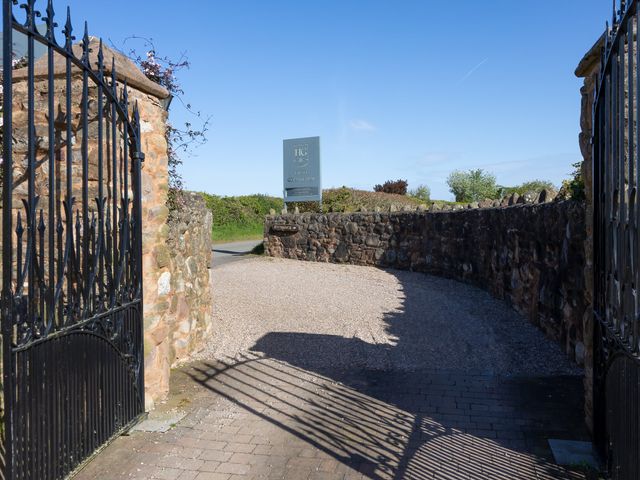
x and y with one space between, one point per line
302 170
285 228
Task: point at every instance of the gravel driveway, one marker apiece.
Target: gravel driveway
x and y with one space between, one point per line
316 315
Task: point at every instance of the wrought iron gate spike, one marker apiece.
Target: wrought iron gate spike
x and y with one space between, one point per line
41 226
124 99
19 228
68 32
100 64
114 80
50 22
136 117
31 14
85 45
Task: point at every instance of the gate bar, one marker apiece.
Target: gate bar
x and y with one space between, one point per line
7 187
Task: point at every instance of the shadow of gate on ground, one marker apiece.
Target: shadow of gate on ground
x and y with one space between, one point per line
407 419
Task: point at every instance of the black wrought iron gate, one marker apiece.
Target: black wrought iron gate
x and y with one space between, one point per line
71 247
616 182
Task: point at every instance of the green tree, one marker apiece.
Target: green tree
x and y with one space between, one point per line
421 193
575 185
472 186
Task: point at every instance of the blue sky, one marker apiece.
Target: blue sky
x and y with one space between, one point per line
395 89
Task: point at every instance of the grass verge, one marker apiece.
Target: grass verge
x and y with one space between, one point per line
234 232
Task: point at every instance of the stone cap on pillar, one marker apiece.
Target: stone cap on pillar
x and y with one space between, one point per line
125 68
591 61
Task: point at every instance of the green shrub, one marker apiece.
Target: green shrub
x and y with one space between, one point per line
397 187
531 186
421 193
243 210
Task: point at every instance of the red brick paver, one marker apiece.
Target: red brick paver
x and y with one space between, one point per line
255 418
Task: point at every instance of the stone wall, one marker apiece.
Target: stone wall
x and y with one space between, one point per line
188 255
530 255
181 293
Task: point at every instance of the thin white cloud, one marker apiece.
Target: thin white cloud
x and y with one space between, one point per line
361 126
472 71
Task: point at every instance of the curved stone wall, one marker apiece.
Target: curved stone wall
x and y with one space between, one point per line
532 256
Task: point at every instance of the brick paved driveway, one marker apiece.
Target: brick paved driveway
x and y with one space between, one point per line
253 418
291 407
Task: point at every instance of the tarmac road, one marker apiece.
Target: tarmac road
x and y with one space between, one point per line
224 253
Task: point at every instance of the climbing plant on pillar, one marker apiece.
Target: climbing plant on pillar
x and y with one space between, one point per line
182 139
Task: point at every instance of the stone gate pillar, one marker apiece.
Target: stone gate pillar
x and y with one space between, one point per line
588 69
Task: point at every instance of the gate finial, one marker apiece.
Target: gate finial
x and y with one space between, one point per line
136 115
85 45
51 25
100 61
114 78
32 13
124 98
41 225
68 30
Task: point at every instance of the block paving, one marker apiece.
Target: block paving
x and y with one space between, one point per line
251 418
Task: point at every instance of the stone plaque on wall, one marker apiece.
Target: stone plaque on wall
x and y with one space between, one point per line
302 170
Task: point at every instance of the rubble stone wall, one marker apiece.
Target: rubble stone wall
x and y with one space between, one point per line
187 255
